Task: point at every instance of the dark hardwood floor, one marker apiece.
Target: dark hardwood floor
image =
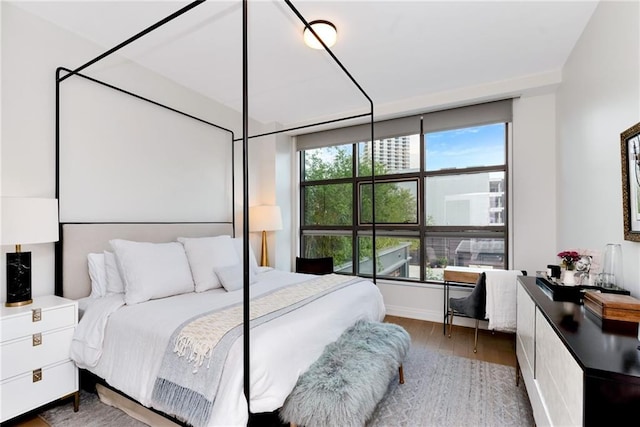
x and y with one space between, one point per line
494 347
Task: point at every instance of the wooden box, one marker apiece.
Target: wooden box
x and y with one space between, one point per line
614 312
613 306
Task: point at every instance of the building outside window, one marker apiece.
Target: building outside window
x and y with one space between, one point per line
440 200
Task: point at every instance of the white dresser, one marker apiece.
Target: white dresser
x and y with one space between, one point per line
34 355
576 372
553 378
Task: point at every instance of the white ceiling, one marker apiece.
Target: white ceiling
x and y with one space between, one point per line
396 50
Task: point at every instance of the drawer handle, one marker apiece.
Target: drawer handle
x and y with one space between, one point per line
37 339
37 375
36 315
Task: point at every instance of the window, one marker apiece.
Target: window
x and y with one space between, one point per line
338 246
328 163
396 202
440 195
462 199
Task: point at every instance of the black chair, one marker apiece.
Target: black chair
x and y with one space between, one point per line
473 306
322 265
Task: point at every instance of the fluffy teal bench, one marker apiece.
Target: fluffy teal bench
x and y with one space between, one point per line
343 387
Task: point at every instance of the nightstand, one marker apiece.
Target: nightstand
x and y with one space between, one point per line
35 343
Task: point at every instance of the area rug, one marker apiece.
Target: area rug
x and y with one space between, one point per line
443 390
439 390
92 413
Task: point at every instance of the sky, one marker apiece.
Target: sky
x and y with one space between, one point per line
461 148
457 148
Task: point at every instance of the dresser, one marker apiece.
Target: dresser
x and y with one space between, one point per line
576 373
34 355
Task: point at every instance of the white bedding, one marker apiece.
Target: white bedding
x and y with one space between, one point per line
135 338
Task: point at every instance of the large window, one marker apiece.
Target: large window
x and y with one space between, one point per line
439 195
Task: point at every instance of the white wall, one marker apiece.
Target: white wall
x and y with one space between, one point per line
284 189
533 178
31 51
269 184
599 98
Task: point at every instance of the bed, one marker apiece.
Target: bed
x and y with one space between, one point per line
124 343
125 338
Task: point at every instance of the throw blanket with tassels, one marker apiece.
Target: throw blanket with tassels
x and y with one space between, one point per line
192 365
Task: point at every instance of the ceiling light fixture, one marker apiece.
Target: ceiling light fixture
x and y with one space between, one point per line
325 30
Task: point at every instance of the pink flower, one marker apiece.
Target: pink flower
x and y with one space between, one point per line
569 258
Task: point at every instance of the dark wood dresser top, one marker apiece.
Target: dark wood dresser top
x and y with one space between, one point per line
601 353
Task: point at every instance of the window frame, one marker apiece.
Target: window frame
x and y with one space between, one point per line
420 230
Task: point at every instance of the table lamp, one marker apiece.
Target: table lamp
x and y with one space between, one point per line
265 218
25 221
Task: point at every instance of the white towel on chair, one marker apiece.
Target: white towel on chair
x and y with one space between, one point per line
501 299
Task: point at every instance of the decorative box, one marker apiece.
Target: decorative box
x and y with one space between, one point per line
614 311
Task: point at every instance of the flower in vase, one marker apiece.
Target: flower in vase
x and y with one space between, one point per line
569 259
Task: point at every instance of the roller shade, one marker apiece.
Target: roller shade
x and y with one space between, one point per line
473 115
359 133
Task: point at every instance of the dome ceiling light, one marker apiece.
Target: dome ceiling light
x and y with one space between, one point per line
325 30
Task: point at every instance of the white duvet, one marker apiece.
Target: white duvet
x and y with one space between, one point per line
124 344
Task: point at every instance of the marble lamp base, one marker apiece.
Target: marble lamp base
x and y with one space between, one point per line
18 279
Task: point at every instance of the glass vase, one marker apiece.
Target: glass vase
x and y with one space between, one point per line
612 265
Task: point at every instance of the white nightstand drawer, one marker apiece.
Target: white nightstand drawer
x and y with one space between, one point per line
21 355
20 323
21 394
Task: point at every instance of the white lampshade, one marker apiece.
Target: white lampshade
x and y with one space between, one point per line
265 218
325 30
29 220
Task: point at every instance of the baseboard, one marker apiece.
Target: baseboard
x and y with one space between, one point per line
413 313
430 316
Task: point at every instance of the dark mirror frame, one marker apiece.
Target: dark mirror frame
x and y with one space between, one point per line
630 150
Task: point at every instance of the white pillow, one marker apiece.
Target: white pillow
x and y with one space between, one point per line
115 285
206 254
253 263
232 278
98 275
152 270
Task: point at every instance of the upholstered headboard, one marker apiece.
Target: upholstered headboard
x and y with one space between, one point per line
78 240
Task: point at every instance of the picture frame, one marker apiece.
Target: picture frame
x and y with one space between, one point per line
630 150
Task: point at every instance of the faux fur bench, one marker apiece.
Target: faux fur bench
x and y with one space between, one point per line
343 387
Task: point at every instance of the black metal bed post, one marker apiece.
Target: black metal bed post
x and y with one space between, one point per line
58 245
374 265
245 206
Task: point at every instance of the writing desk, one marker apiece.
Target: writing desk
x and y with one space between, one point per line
458 277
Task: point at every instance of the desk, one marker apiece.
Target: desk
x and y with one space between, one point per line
459 278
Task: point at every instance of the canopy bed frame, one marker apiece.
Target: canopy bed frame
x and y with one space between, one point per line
69 230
